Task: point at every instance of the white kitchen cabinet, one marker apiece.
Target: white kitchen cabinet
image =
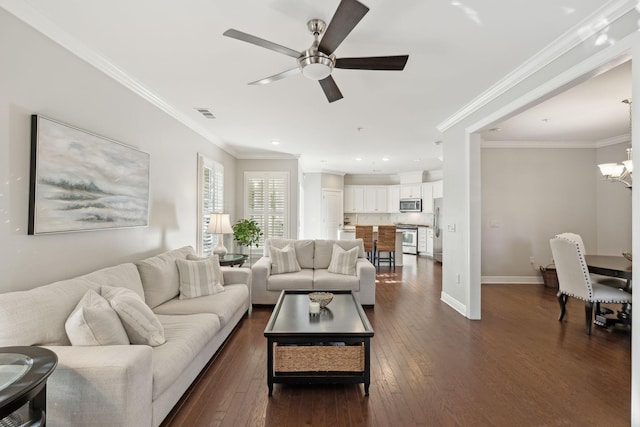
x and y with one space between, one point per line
427 197
411 191
354 198
438 190
430 241
393 198
422 239
375 199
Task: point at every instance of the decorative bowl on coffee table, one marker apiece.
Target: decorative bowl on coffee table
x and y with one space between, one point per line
322 298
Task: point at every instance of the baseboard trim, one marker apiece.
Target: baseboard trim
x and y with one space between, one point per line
511 280
453 303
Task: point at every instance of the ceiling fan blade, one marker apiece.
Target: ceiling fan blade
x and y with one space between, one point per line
277 77
391 63
330 89
347 16
239 35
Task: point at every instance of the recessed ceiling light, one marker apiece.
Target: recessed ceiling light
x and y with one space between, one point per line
385 159
358 159
416 160
275 142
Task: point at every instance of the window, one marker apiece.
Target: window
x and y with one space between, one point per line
210 199
267 202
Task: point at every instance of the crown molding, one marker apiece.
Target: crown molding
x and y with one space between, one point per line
590 26
279 156
538 144
35 18
614 140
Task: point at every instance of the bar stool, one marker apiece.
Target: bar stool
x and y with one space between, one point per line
386 243
365 232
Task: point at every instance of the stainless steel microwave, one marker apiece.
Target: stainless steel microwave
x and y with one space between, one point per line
410 205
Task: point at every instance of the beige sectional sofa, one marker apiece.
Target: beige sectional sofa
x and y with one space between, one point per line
314 258
125 385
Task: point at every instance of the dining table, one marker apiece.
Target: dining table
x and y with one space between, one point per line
613 266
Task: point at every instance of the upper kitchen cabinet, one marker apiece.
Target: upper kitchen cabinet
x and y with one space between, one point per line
353 198
427 197
437 190
393 198
375 199
411 191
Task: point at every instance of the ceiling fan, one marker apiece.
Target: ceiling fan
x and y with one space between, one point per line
319 60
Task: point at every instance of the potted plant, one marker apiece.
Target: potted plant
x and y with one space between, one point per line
247 233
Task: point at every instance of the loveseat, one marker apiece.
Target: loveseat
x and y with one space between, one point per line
126 384
314 258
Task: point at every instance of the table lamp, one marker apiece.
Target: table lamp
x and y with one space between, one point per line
219 224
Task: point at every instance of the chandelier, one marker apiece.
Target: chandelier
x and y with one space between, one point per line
622 173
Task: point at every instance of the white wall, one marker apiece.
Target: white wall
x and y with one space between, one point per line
530 195
312 206
38 76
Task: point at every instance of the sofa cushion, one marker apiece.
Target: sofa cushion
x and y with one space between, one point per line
193 257
123 275
55 303
324 280
324 249
224 304
284 260
343 262
140 323
94 322
186 337
301 280
305 249
160 277
198 278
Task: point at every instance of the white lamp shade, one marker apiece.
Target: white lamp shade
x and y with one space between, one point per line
628 164
606 169
219 224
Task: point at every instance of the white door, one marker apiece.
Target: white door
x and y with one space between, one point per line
331 213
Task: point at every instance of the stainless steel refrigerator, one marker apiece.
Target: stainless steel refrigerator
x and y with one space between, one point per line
437 229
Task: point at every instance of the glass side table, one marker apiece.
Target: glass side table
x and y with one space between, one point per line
23 379
233 259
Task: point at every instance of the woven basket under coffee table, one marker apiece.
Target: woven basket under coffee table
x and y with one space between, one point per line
324 349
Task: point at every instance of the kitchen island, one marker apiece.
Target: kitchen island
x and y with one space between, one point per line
348 232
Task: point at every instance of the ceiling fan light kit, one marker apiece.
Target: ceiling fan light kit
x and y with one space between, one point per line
317 62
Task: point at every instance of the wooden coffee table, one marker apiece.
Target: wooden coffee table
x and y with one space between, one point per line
330 348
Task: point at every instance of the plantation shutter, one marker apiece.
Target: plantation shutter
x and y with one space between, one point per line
267 202
211 199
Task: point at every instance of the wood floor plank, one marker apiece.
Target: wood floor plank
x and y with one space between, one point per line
430 366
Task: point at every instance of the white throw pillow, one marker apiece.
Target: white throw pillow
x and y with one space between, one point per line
219 274
199 278
343 262
94 322
140 323
284 260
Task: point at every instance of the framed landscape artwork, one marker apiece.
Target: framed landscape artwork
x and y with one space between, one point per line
81 181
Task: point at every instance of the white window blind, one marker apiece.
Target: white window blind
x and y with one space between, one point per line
210 199
267 202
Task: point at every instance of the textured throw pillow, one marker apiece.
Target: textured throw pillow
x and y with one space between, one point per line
94 322
219 274
140 323
343 262
199 278
284 260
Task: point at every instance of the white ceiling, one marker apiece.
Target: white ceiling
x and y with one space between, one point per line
175 53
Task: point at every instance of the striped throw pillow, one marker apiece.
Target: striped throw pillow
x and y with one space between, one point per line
284 260
343 262
199 277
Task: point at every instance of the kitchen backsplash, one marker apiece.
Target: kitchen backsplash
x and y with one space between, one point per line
388 218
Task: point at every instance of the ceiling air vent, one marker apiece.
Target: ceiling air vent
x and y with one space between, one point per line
205 112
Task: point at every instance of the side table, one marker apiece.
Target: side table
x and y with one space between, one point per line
23 379
233 259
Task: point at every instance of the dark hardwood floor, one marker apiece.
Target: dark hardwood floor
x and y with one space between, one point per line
430 366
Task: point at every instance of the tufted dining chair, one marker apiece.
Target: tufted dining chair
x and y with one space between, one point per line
574 279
